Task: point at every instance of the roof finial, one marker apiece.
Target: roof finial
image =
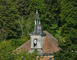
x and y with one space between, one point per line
37 15
36 11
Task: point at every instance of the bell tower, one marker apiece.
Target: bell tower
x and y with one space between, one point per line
37 36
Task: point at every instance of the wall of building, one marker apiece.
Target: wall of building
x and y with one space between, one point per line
40 41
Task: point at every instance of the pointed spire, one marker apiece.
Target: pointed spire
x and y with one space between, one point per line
37 15
37 28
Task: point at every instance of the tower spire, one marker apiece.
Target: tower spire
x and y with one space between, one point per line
37 28
37 15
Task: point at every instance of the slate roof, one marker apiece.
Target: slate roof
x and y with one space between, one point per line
50 46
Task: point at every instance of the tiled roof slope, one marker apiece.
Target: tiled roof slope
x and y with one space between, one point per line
24 47
50 46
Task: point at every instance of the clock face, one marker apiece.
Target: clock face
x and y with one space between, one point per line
35 41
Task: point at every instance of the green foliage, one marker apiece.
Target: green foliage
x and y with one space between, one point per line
28 26
68 30
7 47
9 27
59 17
24 56
61 55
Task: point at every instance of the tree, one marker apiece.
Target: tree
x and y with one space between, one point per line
68 29
9 26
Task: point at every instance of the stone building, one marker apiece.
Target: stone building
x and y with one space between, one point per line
42 41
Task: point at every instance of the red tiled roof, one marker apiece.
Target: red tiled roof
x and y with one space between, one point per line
50 46
25 46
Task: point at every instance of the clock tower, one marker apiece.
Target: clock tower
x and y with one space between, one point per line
37 36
